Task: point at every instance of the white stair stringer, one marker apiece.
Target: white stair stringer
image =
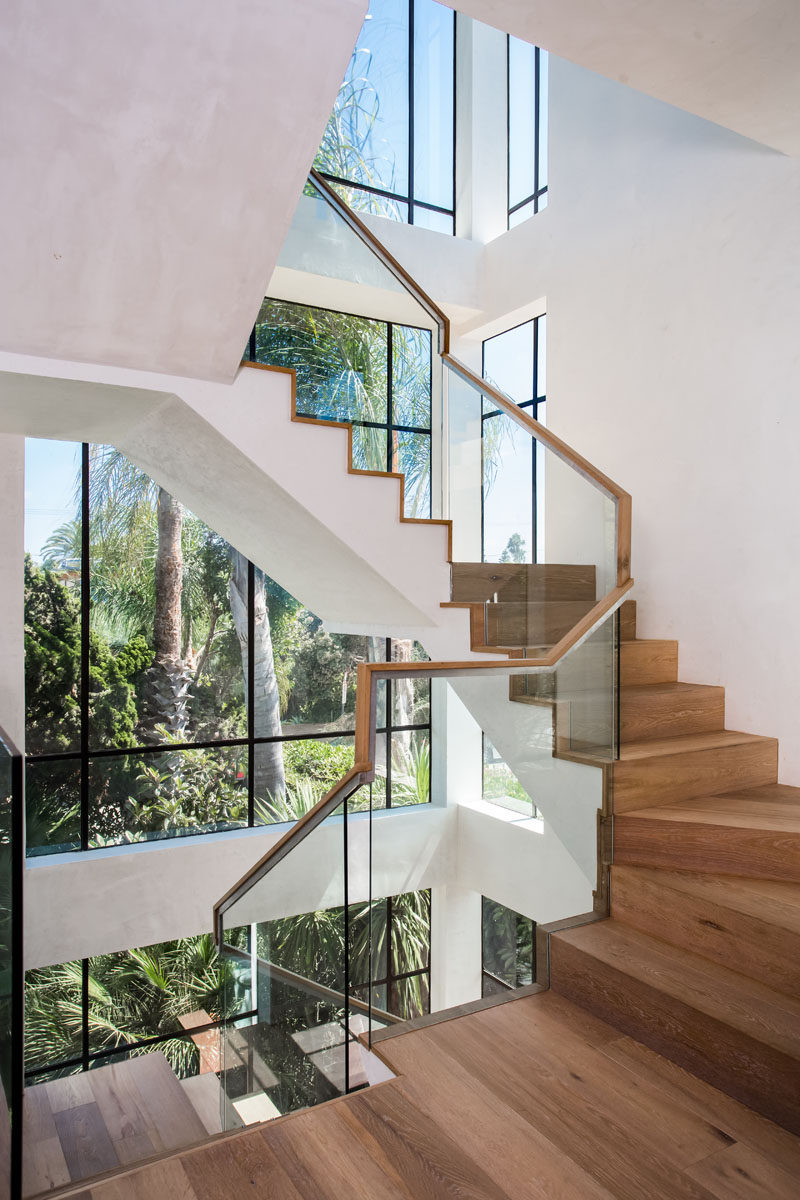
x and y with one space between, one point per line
279 490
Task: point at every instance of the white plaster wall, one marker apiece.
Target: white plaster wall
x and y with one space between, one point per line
670 257
731 61
107 900
12 649
151 169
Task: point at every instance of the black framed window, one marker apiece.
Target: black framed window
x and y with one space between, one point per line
508 948
172 996
375 374
209 701
527 130
513 463
389 146
500 785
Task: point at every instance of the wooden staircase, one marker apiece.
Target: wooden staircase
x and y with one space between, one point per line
700 958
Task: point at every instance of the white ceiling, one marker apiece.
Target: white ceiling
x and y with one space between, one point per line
735 62
152 155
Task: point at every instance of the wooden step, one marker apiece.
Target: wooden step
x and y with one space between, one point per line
749 925
520 623
670 710
670 770
650 661
750 832
627 620
479 582
735 1033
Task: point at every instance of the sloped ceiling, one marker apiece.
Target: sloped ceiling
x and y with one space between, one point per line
735 62
152 155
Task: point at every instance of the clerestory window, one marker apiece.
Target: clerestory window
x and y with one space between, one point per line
389 146
527 130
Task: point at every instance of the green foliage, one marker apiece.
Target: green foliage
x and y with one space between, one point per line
134 657
52 662
508 944
515 549
132 995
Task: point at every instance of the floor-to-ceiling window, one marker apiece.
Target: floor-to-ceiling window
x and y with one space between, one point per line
171 686
527 130
389 146
513 463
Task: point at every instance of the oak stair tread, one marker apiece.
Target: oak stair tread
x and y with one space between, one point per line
746 1005
688 742
772 806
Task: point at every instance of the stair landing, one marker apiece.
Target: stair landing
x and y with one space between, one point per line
82 1125
531 1099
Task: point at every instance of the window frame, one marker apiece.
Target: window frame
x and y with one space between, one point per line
539 192
409 200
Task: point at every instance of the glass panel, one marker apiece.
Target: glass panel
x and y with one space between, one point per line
509 948
426 218
11 969
411 932
412 457
521 214
521 120
508 363
411 698
434 33
340 359
362 201
411 377
134 798
507 490
367 136
294 1051
541 366
52 806
370 450
166 651
544 84
501 786
310 768
411 768
53 531
53 1016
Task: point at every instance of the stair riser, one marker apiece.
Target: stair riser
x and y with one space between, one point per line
532 625
480 582
627 621
648 662
760 949
672 778
751 1072
717 849
667 714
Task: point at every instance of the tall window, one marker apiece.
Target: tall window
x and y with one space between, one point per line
508 942
376 374
527 130
389 147
171 686
513 464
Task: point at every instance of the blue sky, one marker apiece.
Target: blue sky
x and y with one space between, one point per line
51 472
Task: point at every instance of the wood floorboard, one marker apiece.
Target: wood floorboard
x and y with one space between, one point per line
532 1100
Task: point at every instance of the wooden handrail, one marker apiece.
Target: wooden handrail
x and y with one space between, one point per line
368 677
370 674
389 261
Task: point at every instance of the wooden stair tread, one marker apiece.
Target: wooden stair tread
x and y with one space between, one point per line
687 743
722 994
754 808
770 900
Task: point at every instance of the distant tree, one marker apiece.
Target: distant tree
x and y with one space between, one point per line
515 549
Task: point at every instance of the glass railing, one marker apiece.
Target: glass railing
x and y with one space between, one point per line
12 854
538 549
363 916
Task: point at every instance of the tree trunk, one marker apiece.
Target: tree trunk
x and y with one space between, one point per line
269 781
169 580
166 684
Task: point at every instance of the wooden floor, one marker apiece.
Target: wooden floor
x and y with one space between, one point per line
83 1125
533 1098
